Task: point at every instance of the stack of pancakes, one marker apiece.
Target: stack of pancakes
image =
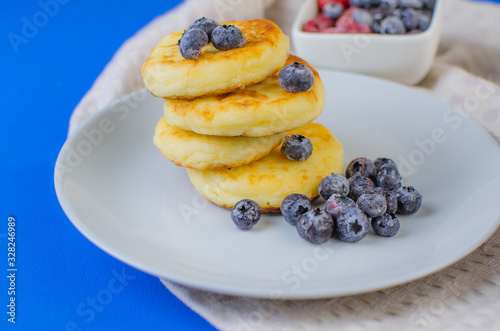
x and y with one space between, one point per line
226 116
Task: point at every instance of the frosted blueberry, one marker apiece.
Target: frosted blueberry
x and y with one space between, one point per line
192 43
390 199
245 214
373 205
386 225
293 206
410 18
315 226
392 25
337 204
296 147
388 177
383 160
352 225
296 77
361 165
225 37
359 185
409 200
333 10
333 184
362 16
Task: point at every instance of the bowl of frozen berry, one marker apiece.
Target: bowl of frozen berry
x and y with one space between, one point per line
391 39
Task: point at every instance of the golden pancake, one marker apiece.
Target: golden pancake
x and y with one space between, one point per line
169 75
192 150
257 110
269 180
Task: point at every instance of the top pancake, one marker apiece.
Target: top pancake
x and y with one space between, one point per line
169 75
257 110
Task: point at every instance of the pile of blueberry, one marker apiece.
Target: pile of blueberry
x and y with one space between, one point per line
372 16
369 196
296 77
370 193
205 30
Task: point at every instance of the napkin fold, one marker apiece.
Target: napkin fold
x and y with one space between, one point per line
465 74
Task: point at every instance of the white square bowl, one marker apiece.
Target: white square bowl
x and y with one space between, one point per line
402 58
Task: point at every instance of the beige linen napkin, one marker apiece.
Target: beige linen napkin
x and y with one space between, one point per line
466 74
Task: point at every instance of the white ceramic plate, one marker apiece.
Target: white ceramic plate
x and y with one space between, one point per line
125 197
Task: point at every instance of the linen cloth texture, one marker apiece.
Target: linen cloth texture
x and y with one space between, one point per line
465 74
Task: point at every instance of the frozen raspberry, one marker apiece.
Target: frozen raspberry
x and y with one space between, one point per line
310 26
321 21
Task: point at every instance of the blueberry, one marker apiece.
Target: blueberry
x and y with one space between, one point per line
359 3
388 177
192 43
245 214
392 25
423 22
206 24
362 16
417 4
337 204
315 226
391 199
391 3
359 185
361 165
225 37
296 147
409 200
352 225
396 13
383 160
293 206
429 4
333 184
296 77
381 12
410 18
375 27
386 225
333 10
372 204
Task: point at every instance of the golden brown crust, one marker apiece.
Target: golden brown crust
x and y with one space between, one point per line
269 180
215 71
257 110
195 151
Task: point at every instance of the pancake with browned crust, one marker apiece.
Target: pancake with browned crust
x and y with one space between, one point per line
169 75
192 150
269 180
257 110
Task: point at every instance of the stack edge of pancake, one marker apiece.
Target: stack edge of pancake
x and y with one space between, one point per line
225 116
